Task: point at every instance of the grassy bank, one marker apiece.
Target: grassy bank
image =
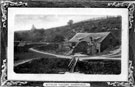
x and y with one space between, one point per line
57 65
43 65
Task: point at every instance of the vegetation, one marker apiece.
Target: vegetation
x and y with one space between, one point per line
58 65
30 35
23 53
20 56
52 39
58 38
112 24
53 49
99 67
47 65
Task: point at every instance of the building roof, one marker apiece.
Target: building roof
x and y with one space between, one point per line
99 37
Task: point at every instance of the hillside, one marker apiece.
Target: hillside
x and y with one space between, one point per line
112 24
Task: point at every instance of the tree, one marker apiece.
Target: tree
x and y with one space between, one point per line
58 38
93 29
70 23
17 37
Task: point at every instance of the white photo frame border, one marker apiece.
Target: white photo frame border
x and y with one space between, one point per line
12 12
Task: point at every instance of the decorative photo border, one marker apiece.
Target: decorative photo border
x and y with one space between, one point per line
6 4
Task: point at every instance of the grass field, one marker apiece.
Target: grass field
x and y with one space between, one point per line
22 56
57 65
43 63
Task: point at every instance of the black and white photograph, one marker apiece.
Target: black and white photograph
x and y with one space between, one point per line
57 44
68 42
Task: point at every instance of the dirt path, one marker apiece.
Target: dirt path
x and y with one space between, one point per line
24 61
81 57
42 52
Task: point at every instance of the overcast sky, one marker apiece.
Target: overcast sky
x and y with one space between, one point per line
25 22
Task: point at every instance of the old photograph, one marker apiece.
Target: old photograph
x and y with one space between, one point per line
58 44
72 42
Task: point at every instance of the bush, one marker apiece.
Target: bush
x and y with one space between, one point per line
99 67
47 47
43 65
57 65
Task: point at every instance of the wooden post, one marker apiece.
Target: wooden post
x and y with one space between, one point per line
73 63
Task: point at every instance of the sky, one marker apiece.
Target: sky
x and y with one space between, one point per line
25 22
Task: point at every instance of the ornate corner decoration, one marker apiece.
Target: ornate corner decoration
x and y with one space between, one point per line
5 5
4 9
130 82
4 80
129 6
4 73
131 10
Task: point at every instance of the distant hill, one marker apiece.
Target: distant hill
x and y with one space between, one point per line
112 24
